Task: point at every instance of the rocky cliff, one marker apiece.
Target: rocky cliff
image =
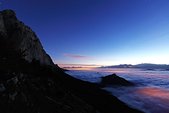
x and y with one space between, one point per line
20 36
30 83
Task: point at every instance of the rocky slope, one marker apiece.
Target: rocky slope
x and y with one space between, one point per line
25 84
22 37
31 83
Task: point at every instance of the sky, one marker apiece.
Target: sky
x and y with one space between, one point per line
98 32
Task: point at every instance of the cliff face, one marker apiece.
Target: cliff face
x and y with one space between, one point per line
21 37
29 83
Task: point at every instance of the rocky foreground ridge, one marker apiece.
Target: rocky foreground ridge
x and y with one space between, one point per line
31 83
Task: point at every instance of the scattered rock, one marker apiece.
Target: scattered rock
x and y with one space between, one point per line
2 87
12 96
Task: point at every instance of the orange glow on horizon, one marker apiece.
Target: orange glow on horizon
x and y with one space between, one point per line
78 66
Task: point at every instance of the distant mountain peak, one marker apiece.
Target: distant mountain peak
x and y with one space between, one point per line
142 65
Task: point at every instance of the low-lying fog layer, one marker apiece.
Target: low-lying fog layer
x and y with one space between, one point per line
151 93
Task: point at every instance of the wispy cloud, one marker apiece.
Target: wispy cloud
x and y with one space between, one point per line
75 56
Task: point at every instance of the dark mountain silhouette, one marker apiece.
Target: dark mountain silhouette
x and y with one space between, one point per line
115 80
31 83
119 66
142 66
151 66
21 37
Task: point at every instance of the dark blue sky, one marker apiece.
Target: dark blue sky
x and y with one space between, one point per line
99 32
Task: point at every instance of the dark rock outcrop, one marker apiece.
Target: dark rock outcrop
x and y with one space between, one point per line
21 37
28 94
26 81
115 80
31 83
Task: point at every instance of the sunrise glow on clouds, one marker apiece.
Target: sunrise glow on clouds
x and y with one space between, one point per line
115 60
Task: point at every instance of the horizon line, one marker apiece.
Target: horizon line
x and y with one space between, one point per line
98 65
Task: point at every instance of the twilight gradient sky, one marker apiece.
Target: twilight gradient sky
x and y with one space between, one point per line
102 32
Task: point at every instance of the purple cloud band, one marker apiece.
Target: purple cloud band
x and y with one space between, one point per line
75 56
